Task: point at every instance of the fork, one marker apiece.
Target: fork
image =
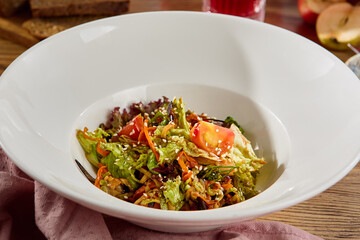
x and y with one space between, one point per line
86 173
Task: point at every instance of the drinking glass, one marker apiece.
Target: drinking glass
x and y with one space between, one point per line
254 9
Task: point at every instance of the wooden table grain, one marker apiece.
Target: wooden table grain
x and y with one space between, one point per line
333 214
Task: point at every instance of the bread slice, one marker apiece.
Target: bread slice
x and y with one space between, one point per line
46 27
15 33
9 7
54 8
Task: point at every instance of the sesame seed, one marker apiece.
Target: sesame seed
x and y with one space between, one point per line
217 130
219 141
132 132
126 197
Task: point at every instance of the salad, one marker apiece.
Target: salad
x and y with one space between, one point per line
160 155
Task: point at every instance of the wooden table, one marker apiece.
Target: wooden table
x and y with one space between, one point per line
333 214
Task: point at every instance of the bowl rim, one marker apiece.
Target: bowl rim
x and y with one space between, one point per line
209 216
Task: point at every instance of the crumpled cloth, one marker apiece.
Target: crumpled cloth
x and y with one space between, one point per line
29 210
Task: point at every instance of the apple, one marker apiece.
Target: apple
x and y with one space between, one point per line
338 25
306 13
310 9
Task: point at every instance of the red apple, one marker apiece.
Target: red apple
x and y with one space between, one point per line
306 13
338 25
310 9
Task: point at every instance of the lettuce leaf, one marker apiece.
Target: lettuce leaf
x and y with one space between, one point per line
180 109
169 152
247 162
89 147
173 193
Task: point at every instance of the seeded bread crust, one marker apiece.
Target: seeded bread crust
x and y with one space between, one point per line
53 8
46 27
15 33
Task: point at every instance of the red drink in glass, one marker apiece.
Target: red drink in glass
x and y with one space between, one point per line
254 9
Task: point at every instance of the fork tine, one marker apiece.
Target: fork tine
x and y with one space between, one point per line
86 173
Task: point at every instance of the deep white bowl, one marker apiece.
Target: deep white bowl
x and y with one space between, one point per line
297 102
354 64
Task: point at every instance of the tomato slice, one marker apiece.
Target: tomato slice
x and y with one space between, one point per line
133 128
212 138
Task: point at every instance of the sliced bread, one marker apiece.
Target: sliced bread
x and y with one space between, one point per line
54 8
46 27
9 7
15 33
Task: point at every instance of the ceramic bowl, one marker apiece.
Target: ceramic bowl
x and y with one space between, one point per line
297 102
354 64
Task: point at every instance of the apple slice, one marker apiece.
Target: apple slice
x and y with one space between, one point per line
338 25
310 9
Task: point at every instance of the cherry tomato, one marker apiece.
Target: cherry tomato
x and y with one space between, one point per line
133 128
212 138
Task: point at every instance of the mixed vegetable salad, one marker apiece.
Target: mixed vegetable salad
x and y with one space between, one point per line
161 155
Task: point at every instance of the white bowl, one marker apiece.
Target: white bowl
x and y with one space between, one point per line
296 101
354 64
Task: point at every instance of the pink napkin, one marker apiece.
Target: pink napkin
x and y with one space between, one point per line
29 210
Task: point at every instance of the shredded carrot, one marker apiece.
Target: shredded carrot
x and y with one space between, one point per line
139 192
151 144
207 201
101 151
181 162
167 128
192 161
142 133
227 186
187 175
91 138
102 168
146 187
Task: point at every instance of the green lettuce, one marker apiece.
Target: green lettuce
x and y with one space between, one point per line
89 147
180 109
173 193
169 152
152 163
